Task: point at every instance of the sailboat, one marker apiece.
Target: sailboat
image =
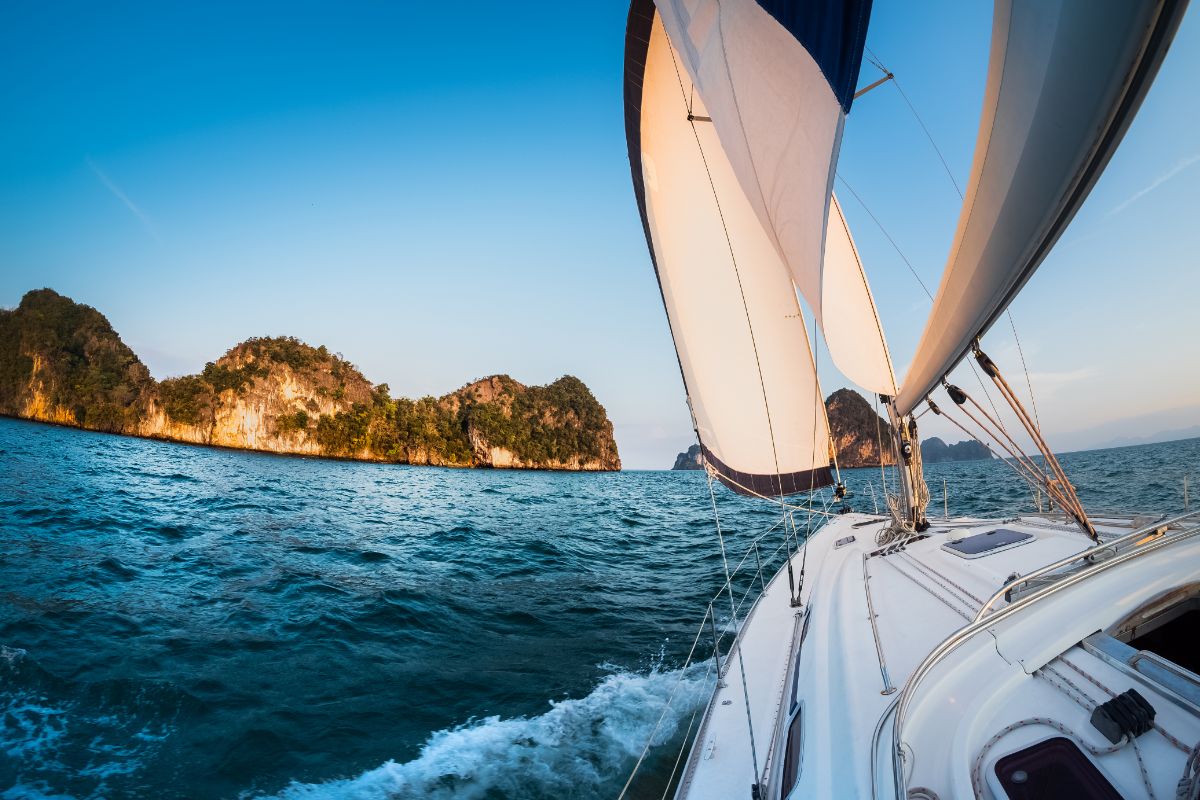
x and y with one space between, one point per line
895 654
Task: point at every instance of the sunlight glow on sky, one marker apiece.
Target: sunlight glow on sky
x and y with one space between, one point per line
441 197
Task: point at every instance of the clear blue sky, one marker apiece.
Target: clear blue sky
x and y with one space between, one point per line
441 196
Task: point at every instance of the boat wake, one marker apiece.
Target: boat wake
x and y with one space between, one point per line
90 740
580 748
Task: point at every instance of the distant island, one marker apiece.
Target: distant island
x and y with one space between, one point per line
857 433
692 459
935 450
62 362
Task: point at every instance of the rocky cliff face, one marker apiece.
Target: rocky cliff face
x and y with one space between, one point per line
558 426
857 431
62 362
692 459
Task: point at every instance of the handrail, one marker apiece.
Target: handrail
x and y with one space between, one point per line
888 688
875 744
1160 526
960 636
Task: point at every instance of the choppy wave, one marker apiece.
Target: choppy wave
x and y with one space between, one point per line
576 749
214 624
56 734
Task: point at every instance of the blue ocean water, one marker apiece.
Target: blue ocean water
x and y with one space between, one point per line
182 622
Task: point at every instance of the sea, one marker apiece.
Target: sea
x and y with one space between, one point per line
187 622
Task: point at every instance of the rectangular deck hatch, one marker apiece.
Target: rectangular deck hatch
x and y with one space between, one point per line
983 544
1053 768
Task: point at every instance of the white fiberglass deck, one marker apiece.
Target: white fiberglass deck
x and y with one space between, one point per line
1023 663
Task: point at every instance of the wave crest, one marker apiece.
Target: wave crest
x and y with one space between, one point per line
580 748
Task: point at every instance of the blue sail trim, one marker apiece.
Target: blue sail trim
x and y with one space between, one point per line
833 32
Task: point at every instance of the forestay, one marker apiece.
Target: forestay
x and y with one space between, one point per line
1065 79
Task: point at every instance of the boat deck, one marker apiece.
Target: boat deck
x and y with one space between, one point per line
841 670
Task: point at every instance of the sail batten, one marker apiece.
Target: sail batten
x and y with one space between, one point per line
1065 79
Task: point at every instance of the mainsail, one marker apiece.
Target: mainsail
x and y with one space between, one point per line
734 315
1064 81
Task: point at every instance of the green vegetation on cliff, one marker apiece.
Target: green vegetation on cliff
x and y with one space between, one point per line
527 425
63 362
550 424
83 369
193 399
403 429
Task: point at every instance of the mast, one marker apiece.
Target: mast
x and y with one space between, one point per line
914 494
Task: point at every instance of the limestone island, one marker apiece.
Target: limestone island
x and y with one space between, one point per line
62 362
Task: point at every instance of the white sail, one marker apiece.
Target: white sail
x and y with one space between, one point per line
1064 81
775 114
733 311
777 79
847 314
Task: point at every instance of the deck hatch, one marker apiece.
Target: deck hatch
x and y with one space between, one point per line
982 544
1052 768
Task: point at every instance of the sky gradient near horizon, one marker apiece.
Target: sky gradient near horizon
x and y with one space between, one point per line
444 196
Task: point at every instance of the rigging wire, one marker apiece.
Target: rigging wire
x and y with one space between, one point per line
1032 476
733 611
916 275
878 64
961 427
812 480
886 235
1021 352
737 273
875 61
667 705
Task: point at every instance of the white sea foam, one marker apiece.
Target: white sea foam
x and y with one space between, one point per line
11 656
580 748
46 739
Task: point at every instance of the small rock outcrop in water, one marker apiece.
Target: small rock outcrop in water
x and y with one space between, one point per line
935 450
692 459
854 427
62 362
